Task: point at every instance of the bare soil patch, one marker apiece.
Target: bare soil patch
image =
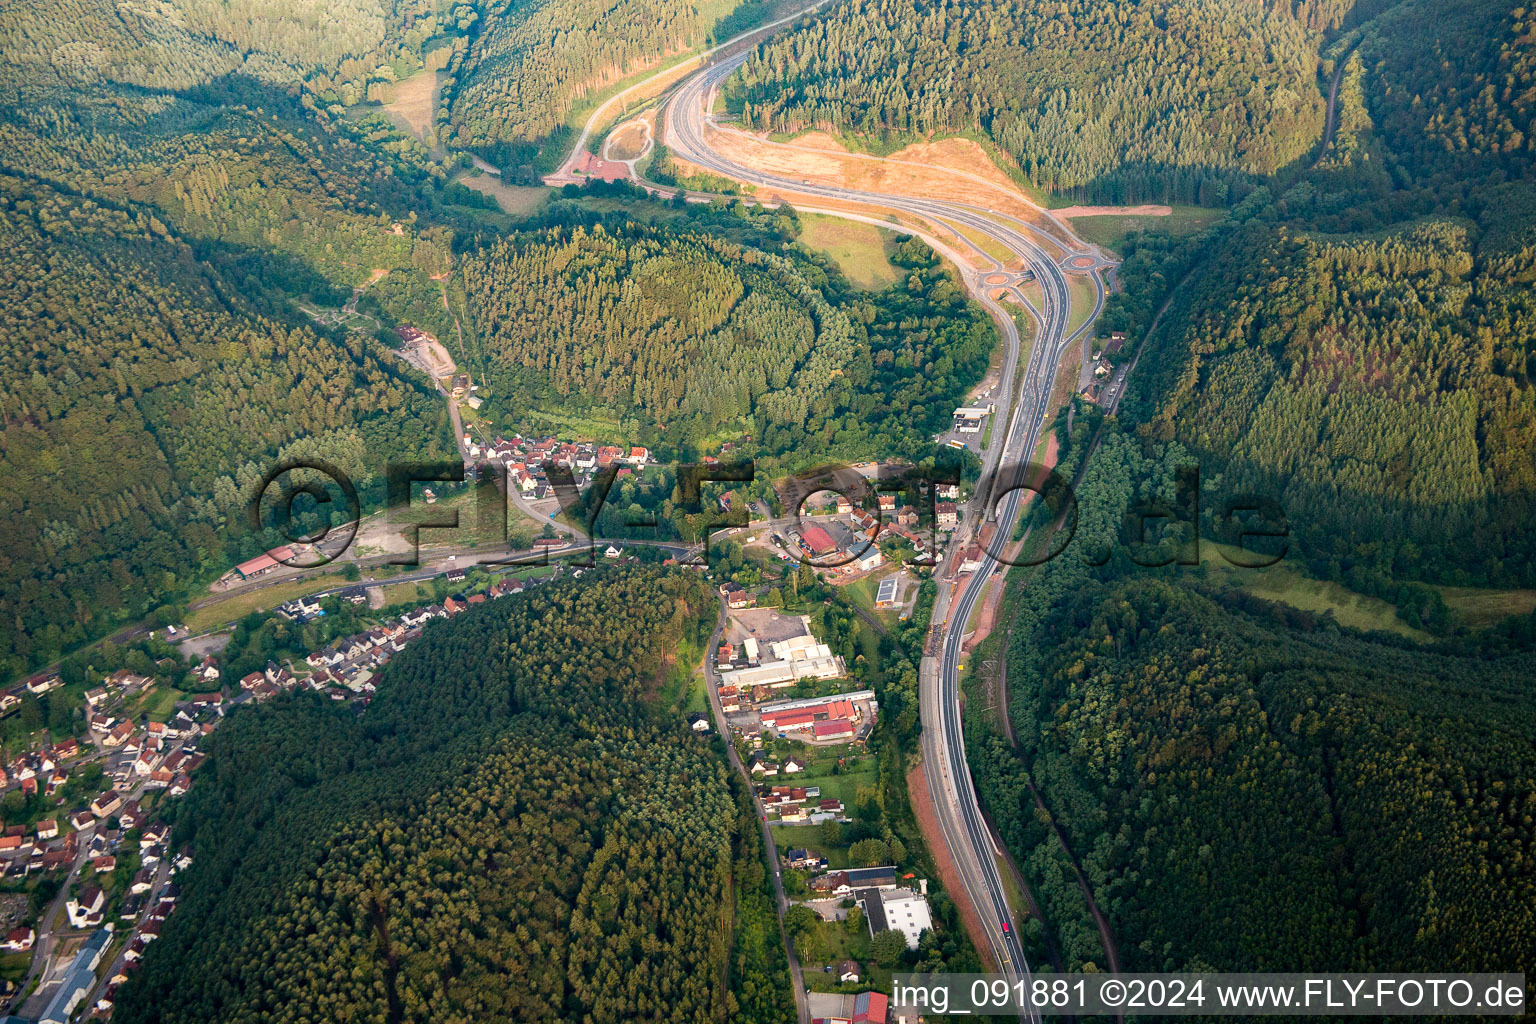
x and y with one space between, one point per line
1145 210
952 169
928 821
628 141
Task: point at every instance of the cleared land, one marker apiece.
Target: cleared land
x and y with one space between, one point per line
627 141
1480 609
411 109
1110 229
862 251
952 169
242 602
518 200
1289 585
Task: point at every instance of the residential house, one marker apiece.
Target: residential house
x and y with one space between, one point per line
972 559
105 804
85 909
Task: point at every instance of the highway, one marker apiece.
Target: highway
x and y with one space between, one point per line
566 173
1023 398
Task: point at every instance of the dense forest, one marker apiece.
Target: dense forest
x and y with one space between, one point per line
1182 100
1360 347
1245 785
513 830
1378 388
161 214
1248 787
142 399
696 334
333 48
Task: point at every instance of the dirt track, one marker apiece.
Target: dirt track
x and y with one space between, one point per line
1146 210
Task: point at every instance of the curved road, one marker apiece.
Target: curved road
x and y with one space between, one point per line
944 759
567 166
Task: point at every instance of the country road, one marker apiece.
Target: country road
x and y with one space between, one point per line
1022 403
781 902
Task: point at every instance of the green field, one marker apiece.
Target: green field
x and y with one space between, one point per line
517 200
160 704
1110 231
986 243
1480 609
1286 584
863 594
242 603
862 251
1080 287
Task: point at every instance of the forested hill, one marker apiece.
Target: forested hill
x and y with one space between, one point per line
1362 347
1247 786
691 334
511 831
335 48
156 243
1183 100
141 396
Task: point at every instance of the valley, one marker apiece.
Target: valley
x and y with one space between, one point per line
1060 468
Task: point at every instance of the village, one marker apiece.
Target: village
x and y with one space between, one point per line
86 868
802 736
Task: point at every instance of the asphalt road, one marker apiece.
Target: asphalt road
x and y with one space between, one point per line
566 173
1022 401
781 904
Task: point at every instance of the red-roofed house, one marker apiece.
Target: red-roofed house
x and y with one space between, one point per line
818 541
837 728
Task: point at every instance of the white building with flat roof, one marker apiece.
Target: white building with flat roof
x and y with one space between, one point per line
903 910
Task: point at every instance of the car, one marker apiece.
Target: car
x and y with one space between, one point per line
1007 930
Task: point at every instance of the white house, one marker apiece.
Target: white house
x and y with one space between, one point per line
903 910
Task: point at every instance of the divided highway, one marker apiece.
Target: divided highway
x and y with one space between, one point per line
1022 406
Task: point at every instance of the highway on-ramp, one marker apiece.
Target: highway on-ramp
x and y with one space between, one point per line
1023 399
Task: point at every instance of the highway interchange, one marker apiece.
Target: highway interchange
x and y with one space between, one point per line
687 121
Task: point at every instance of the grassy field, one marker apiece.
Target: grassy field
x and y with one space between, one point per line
407 593
159 704
863 593
1111 231
412 106
470 531
591 427
517 200
13 966
242 602
1080 287
1480 609
987 244
1288 585
862 251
